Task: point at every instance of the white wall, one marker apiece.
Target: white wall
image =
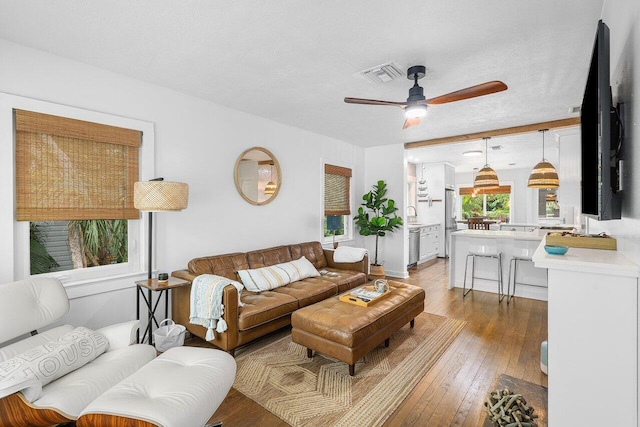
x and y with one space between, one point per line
196 142
623 19
388 163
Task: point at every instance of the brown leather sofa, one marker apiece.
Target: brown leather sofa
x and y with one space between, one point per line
266 311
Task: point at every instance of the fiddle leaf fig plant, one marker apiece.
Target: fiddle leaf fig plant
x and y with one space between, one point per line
379 217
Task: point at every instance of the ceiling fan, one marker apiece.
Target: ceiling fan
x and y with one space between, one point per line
416 104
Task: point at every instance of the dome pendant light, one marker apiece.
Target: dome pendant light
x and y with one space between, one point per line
543 175
486 178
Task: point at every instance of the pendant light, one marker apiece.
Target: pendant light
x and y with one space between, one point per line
543 175
487 177
270 188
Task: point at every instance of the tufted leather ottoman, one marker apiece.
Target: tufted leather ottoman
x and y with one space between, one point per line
347 332
182 387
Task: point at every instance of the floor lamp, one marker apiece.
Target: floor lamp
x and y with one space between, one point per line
152 196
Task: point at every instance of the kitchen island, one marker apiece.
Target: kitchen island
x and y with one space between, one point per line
532 281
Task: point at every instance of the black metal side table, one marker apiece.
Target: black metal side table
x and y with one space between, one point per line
152 285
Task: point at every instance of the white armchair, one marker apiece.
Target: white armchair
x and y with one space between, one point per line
28 305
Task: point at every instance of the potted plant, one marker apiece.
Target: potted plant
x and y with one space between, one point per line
378 219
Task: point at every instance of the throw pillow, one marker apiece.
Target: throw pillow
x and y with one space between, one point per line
305 268
50 361
274 276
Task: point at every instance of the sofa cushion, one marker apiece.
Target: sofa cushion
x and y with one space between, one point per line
344 279
268 257
221 265
52 360
312 251
264 307
310 290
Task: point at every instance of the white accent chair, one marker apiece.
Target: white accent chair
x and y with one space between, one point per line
127 383
25 307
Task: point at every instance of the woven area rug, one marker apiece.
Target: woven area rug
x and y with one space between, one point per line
320 391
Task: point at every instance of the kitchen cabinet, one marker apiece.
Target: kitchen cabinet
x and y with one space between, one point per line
429 242
449 176
593 336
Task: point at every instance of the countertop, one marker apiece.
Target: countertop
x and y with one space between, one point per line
536 235
598 261
422 224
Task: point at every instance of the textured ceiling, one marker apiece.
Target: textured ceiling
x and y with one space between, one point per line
295 61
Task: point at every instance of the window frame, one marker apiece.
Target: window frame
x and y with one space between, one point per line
137 229
349 226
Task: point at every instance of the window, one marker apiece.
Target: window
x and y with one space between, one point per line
494 204
58 153
548 204
337 203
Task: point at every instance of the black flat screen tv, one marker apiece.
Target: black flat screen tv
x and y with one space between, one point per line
600 193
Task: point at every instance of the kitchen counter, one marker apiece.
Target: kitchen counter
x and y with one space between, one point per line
422 224
532 281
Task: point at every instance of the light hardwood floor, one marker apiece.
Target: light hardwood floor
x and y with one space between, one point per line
498 339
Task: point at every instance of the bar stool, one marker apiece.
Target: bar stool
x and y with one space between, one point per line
519 255
483 250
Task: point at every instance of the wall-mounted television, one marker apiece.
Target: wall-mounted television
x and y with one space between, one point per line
601 192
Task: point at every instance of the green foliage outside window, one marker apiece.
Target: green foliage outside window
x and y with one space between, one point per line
498 206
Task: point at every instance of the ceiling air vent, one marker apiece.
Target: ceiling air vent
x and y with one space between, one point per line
383 73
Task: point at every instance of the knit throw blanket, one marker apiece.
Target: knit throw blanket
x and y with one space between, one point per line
206 302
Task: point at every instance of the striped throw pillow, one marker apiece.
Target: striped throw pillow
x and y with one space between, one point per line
267 278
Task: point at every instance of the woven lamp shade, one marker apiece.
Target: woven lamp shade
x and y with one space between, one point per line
270 188
160 196
486 178
543 175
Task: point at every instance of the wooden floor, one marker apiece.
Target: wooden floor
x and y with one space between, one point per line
498 339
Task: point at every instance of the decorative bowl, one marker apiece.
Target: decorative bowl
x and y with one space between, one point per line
556 250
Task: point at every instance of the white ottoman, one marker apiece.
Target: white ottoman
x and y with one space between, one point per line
182 387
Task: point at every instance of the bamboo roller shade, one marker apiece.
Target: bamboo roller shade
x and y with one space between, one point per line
69 169
336 190
502 189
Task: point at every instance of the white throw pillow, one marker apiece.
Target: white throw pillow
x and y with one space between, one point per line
267 278
50 361
305 268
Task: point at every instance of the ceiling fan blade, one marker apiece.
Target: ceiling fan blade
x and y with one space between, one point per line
411 121
470 92
373 102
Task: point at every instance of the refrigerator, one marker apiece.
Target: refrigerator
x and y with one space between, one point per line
450 224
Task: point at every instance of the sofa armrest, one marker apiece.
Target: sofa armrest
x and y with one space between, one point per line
361 266
184 275
120 335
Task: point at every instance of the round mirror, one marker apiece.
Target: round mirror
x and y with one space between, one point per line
257 176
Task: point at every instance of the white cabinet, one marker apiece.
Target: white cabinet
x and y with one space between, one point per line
449 176
593 336
429 242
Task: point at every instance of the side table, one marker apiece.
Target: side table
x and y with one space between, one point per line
152 285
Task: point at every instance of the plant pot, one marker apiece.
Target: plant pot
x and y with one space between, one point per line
376 272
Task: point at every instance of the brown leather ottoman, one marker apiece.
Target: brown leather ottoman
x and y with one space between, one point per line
347 332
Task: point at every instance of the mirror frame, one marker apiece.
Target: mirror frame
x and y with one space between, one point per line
237 180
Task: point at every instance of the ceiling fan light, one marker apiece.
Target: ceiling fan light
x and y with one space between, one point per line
543 175
486 178
415 111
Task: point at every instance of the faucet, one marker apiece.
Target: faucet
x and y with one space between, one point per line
415 213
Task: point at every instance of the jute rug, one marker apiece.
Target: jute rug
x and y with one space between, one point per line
320 391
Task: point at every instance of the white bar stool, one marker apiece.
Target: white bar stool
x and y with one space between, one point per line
483 248
520 254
